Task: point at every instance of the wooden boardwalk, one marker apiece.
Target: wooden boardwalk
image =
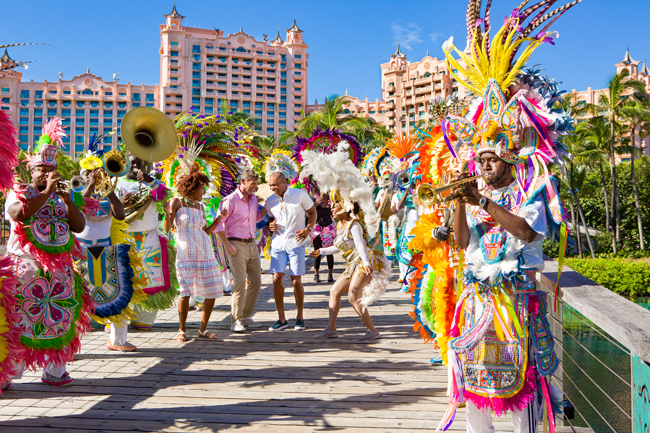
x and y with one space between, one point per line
253 382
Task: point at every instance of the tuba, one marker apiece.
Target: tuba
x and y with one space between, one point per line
150 136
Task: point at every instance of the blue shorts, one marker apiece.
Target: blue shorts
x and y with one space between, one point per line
295 257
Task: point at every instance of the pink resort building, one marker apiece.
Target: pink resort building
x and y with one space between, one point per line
406 90
642 74
198 68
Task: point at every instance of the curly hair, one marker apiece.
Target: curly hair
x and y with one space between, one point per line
189 183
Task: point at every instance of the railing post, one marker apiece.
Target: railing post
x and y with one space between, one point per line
640 395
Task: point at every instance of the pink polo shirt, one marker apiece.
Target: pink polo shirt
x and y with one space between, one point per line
242 217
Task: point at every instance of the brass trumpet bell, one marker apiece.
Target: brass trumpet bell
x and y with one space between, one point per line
403 179
429 196
149 134
115 164
77 184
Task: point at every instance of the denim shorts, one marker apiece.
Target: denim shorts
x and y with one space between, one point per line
295 257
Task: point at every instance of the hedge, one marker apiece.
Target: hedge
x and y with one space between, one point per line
622 276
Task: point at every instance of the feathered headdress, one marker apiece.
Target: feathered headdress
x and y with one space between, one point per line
513 113
93 158
336 173
220 146
46 149
281 161
326 141
8 151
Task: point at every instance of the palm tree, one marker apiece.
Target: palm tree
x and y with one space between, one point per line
596 140
637 114
331 116
611 102
576 177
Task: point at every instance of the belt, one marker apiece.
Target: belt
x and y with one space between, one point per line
248 241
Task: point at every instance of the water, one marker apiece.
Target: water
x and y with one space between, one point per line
611 355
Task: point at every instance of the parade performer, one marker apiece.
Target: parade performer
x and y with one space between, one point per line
323 235
501 353
52 303
197 269
139 193
10 347
109 258
366 269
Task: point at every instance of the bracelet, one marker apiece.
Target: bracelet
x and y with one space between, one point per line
483 202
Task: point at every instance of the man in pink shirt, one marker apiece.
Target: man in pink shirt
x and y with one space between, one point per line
236 231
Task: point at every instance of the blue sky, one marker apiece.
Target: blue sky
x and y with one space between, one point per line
347 39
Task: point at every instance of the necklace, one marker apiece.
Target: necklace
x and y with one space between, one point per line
190 202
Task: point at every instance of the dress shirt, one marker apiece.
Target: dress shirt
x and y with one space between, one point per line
242 217
289 212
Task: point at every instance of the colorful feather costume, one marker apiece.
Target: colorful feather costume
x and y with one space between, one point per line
52 302
514 115
11 351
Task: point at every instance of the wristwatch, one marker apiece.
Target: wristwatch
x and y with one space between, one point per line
482 203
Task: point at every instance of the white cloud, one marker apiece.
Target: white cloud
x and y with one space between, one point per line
406 34
435 37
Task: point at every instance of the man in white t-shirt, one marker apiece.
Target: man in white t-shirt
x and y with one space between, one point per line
288 207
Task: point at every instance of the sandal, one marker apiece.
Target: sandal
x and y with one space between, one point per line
181 336
207 334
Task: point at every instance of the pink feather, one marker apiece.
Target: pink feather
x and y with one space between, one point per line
54 129
8 151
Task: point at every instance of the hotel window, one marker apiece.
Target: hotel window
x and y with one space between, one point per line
93 131
282 124
79 130
270 114
65 112
234 104
66 92
173 87
108 105
196 92
297 81
121 94
283 74
282 106
196 100
108 121
297 89
53 92
38 131
297 113
174 54
24 130
196 49
94 113
51 112
23 102
271 88
38 94
260 95
24 94
283 66
24 120
283 91
221 92
135 104
222 48
209 110
196 66
283 82
258 113
120 113
174 62
196 57
259 105
297 56
24 111
196 74
174 70
270 122
121 104
108 93
135 97
283 99
282 115
246 104
196 83
298 73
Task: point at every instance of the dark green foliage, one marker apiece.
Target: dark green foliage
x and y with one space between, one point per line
622 276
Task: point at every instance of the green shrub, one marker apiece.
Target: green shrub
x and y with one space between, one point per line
621 276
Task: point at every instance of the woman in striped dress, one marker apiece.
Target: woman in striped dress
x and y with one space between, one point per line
197 269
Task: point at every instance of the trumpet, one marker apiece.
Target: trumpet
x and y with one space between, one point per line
76 184
430 196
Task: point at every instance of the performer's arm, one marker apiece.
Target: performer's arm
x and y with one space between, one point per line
76 219
117 208
312 214
402 201
20 211
513 224
170 213
461 229
212 227
360 244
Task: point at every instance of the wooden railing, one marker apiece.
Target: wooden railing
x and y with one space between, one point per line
620 322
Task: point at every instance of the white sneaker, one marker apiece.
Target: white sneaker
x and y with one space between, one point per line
250 323
237 326
369 335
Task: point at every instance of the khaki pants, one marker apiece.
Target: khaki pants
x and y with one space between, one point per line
246 264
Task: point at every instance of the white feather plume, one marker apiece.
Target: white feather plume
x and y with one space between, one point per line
336 172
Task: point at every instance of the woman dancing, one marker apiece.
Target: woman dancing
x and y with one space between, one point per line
196 266
366 269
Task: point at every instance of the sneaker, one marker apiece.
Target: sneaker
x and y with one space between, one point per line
436 360
326 333
300 325
66 380
237 326
279 326
400 281
128 347
316 278
370 336
250 323
227 293
330 279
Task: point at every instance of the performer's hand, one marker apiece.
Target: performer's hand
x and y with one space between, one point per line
92 177
367 270
314 253
301 235
471 195
273 226
143 177
230 248
53 179
441 233
127 198
62 192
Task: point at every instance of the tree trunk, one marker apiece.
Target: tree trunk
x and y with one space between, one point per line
612 166
576 229
608 229
584 223
636 191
